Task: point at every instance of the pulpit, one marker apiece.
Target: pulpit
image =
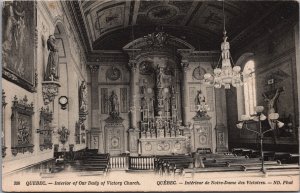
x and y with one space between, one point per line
114 138
202 131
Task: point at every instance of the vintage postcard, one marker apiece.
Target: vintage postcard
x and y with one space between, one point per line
150 95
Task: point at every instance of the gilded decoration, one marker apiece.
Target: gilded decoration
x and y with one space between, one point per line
50 91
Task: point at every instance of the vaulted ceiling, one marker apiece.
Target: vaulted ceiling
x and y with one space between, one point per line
110 25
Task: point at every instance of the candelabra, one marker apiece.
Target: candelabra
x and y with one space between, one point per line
258 117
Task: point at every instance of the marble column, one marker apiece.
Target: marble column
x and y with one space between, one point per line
94 95
221 121
133 92
133 132
95 125
184 93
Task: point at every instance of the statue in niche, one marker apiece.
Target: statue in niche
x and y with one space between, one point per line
143 90
114 104
200 99
83 97
202 107
52 65
159 76
144 103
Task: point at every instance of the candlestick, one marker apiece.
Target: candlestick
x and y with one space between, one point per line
148 115
167 108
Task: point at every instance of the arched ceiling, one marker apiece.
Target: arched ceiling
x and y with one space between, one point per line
110 25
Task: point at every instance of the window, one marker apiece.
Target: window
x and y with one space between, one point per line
249 88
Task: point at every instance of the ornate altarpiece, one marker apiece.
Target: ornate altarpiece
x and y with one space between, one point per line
160 75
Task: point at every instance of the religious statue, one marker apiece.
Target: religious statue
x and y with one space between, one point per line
200 99
144 103
114 104
271 108
161 38
83 97
271 101
52 65
202 107
159 76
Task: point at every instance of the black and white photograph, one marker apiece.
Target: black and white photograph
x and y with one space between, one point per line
150 95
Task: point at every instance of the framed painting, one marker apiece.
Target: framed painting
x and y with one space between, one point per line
18 39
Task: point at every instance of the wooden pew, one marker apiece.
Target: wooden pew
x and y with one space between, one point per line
272 167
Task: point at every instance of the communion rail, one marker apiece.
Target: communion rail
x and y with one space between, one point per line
118 162
141 163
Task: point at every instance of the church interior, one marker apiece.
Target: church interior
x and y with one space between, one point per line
163 86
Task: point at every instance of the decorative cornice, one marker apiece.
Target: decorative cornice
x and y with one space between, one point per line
77 19
94 68
23 105
185 65
132 64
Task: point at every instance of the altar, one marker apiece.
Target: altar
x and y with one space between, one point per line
163 146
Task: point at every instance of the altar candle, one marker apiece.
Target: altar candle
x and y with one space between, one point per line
153 108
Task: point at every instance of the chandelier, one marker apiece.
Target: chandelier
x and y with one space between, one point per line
226 73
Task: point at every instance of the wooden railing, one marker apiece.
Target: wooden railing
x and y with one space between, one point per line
141 163
118 162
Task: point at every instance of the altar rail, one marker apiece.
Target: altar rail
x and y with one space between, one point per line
118 162
141 163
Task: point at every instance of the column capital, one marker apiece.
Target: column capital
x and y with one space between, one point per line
132 64
94 68
185 65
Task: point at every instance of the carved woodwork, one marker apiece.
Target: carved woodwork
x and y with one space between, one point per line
21 124
114 136
50 91
202 131
63 134
45 130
